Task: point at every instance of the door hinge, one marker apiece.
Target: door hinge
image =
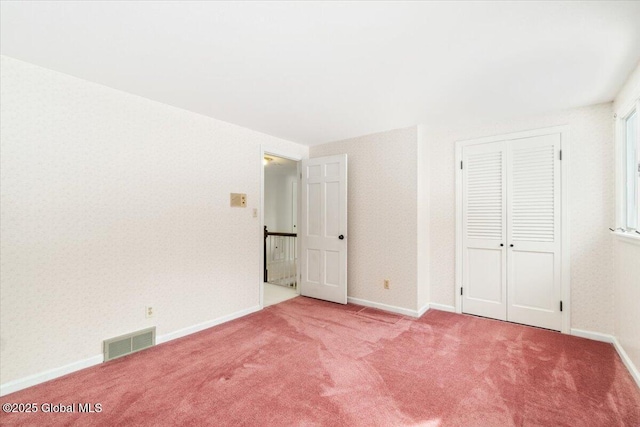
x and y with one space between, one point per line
560 305
560 154
460 164
461 291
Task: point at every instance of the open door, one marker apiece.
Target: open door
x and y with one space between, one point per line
323 229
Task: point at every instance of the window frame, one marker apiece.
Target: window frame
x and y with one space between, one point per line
621 117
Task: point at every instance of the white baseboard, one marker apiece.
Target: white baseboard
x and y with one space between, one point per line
627 361
442 307
205 325
385 307
31 380
597 336
424 309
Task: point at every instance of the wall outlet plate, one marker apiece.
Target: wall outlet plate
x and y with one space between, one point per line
149 312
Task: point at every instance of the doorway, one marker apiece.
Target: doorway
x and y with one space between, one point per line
280 225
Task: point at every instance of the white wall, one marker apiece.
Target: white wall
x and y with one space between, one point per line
111 202
627 297
382 205
591 165
627 261
423 250
278 200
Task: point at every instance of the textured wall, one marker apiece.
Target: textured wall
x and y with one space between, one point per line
423 215
627 302
627 258
111 202
591 203
382 204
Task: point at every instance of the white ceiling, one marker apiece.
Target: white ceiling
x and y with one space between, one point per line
317 72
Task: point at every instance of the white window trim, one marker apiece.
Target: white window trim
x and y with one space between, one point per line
627 236
621 114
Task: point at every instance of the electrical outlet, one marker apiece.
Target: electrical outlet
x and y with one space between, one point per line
386 283
148 312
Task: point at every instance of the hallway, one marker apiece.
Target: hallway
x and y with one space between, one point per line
274 294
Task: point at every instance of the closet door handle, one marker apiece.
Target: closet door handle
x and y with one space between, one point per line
501 244
511 245
341 237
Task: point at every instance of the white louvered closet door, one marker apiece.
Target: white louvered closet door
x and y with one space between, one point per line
484 230
533 231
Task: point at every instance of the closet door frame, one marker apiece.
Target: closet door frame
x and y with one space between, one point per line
565 241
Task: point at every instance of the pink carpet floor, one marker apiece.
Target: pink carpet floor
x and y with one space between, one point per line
310 363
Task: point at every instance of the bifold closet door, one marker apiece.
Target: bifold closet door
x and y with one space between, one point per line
484 233
511 230
533 231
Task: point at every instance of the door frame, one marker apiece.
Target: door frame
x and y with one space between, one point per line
296 157
564 222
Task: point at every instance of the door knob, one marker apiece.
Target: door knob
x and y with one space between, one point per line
501 244
511 245
341 237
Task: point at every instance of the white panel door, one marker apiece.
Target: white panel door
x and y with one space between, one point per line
323 229
484 280
533 231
